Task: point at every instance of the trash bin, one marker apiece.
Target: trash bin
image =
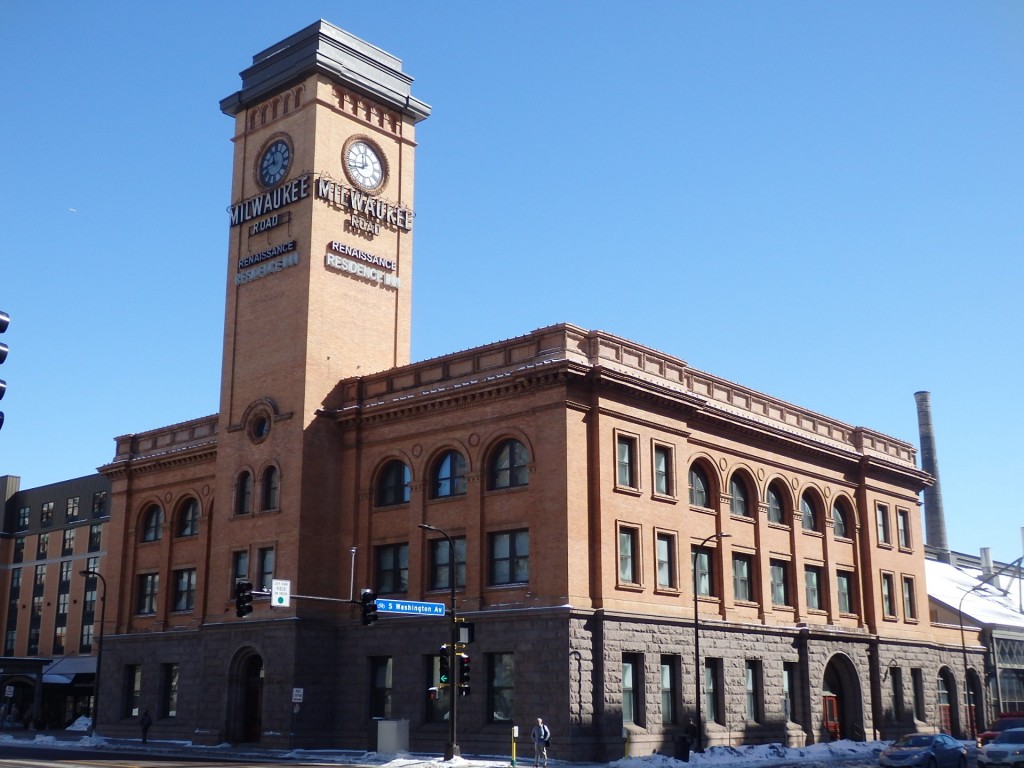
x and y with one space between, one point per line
392 736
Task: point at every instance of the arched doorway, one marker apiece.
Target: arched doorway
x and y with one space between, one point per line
245 714
841 704
948 695
975 705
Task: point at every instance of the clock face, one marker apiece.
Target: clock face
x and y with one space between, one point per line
274 162
364 165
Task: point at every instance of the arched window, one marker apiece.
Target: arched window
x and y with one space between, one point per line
393 484
809 513
271 488
739 500
243 494
449 476
509 466
699 487
839 520
152 523
776 507
188 518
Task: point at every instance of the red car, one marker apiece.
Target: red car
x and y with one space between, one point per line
1004 721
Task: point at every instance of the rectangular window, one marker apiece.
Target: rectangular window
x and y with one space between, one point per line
898 706
440 563
625 461
148 584
46 515
812 582
789 689
702 572
95 537
19 549
99 504
265 560
669 684
500 688
185 589
742 584
753 688
909 599
917 680
60 633
844 591
632 688
714 709
68 545
888 595
666 555
239 565
663 475
132 690
903 528
42 546
510 558
393 569
168 690
380 687
71 511
780 582
628 550
882 520
23 517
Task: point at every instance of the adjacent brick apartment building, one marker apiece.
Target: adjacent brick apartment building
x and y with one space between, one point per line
605 502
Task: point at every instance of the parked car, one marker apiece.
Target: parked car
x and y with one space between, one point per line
932 750
1004 751
1003 722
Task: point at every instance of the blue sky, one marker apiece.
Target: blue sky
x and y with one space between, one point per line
821 201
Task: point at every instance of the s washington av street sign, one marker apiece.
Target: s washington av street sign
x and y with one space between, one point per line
410 607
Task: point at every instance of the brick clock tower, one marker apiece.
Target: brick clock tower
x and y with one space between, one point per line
319 286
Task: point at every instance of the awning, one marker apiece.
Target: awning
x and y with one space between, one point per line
64 670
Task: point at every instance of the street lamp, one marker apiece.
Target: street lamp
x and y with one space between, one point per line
99 649
696 638
452 750
963 643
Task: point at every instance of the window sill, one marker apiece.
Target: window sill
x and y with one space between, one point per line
628 490
629 586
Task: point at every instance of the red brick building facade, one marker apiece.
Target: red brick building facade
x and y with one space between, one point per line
589 486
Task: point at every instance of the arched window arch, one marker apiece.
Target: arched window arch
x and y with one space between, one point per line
449 476
243 493
188 517
841 520
509 466
393 484
700 487
739 497
271 487
776 504
152 523
810 519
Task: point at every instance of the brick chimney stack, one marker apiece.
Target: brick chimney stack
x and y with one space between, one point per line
934 517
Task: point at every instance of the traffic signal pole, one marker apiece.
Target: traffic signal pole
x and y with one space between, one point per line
452 750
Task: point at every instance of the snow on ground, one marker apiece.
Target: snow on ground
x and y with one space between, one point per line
851 754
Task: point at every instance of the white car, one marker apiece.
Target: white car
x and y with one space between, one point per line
1005 751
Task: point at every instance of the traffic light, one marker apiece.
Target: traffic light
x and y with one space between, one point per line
369 601
463 674
243 598
444 676
5 320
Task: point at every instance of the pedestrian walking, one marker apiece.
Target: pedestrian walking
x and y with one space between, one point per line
145 721
541 736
